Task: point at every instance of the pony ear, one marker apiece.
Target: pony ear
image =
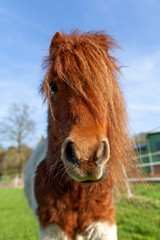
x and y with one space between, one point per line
55 40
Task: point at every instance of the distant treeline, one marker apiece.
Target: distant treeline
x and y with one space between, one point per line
11 162
140 138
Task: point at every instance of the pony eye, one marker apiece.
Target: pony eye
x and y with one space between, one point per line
53 87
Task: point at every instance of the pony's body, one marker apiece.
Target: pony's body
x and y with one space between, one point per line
70 177
75 212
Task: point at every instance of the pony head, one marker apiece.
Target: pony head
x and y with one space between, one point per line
87 116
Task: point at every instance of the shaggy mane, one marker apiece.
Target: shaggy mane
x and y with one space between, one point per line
84 62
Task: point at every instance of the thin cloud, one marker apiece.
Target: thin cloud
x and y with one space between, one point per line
142 89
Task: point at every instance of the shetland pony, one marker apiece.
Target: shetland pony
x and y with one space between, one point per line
69 178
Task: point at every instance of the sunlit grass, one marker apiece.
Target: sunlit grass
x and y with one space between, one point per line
140 218
16 220
136 220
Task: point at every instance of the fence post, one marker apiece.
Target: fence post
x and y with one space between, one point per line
16 180
130 195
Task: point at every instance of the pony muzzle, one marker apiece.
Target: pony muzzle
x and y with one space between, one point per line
86 169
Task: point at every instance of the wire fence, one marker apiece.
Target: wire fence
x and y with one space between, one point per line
153 159
152 164
15 180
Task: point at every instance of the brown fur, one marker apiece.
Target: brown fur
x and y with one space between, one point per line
71 205
91 104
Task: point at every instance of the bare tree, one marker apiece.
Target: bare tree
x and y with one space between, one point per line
17 127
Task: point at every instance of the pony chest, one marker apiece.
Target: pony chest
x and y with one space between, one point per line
73 209
53 203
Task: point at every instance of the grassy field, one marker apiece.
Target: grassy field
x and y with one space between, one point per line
136 220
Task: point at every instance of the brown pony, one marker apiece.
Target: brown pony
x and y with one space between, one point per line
70 177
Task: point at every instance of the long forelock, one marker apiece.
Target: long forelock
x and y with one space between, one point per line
83 62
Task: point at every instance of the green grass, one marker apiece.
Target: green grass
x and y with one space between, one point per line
136 220
16 220
140 219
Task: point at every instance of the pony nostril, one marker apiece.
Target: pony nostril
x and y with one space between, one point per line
70 153
104 148
103 152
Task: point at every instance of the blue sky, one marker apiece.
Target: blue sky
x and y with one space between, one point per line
26 28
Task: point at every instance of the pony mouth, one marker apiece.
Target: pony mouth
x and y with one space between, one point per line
95 180
91 181
88 178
